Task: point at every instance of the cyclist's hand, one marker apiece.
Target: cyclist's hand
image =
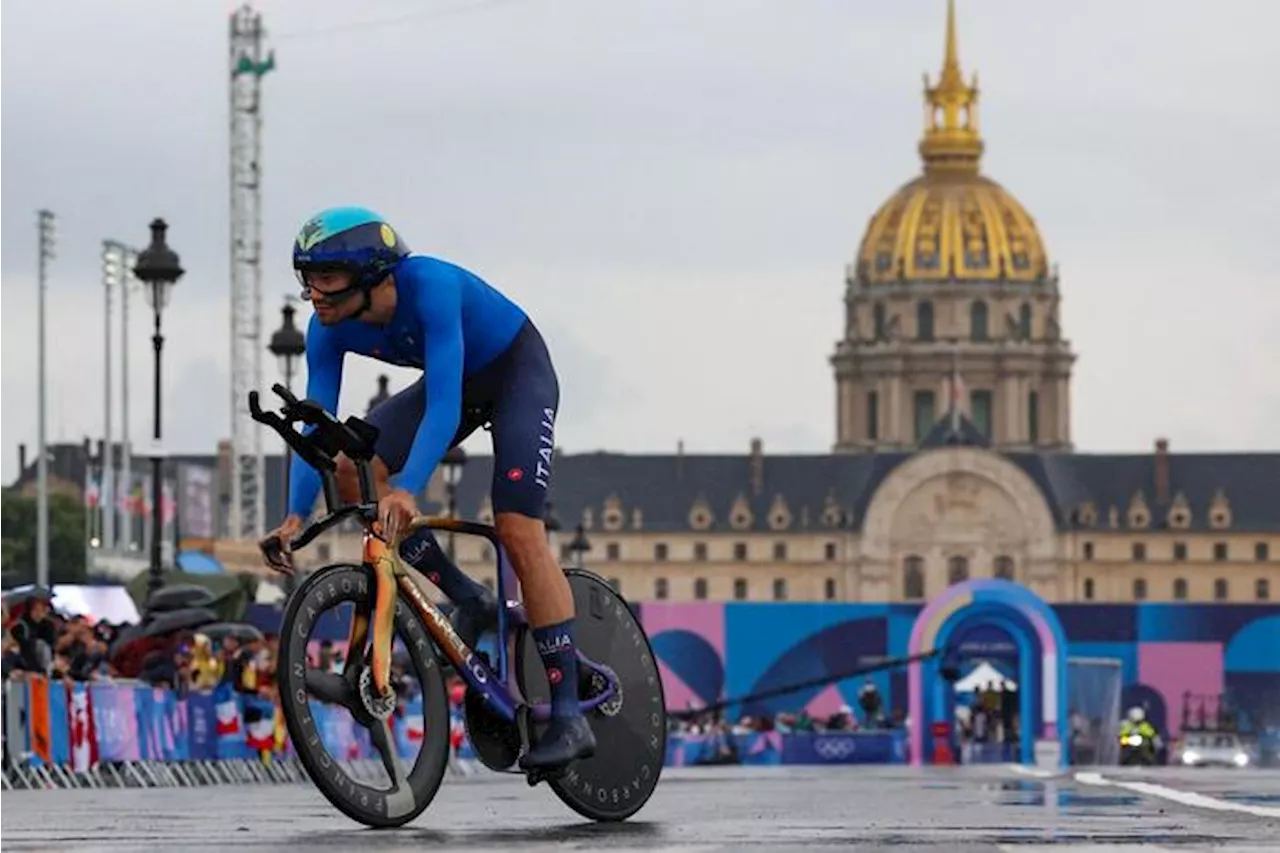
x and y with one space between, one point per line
395 511
275 545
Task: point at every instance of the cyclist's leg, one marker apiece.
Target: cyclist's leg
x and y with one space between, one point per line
523 446
397 420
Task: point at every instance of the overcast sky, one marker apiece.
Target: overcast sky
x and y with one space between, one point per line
670 187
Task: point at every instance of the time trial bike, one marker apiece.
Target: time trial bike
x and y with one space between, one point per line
394 625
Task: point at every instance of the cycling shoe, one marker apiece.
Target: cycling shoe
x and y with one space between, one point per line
566 739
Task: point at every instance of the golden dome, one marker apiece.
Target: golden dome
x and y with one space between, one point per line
951 223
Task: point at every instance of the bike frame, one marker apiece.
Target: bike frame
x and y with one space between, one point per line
499 688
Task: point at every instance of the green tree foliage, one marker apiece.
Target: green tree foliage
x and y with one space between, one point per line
18 531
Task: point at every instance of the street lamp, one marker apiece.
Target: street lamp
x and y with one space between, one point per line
579 546
551 522
287 344
158 269
44 221
452 463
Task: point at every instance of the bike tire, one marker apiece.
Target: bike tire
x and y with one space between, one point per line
631 746
373 807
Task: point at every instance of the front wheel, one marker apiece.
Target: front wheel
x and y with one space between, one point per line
631 730
406 790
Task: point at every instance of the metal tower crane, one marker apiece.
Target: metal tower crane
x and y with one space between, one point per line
248 66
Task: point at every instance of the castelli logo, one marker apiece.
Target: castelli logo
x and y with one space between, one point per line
554 675
515 475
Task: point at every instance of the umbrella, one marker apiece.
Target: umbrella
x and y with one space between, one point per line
29 592
171 598
242 631
188 618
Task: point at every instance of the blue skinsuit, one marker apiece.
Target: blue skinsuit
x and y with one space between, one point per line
478 351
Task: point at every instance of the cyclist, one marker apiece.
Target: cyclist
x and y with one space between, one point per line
484 364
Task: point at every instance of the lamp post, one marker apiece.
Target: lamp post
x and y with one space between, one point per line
579 546
288 344
453 462
158 269
45 224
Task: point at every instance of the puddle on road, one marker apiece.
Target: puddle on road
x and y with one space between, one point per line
1035 794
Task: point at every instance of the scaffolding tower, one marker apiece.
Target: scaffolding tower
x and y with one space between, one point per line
249 63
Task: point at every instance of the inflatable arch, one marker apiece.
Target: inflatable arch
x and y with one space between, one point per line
1042 661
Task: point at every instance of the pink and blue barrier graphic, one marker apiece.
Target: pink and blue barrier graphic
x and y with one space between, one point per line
888 747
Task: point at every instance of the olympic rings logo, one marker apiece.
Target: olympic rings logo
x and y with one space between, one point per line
832 748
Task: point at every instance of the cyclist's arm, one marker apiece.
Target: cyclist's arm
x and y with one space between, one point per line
324 381
440 312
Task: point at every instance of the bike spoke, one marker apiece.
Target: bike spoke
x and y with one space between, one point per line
380 734
330 687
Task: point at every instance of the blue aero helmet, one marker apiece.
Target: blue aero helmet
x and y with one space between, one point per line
353 240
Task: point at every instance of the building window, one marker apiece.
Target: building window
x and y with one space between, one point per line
779 589
1088 550
873 415
700 588
779 550
1260 552
830 550
913 578
1220 551
1004 567
924 409
1180 589
1033 417
1179 550
740 551
1139 590
1262 589
616 584
829 591
700 551
1220 589
660 588
612 551
980 409
957 569
924 321
660 552
881 323
978 321
1139 552
1088 589
1024 321
740 589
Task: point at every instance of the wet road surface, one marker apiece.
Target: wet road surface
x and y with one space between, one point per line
966 810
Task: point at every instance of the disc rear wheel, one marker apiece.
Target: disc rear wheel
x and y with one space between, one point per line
630 729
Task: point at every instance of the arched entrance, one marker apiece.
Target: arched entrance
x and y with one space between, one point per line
1042 661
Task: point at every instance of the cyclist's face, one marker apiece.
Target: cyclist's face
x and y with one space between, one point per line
331 296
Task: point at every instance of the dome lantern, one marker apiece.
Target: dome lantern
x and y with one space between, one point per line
951 140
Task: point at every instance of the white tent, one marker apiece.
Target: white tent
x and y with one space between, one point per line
111 603
984 676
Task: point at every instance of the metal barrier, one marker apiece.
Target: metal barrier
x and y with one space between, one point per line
130 735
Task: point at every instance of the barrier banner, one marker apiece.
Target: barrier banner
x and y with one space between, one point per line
260 722
144 704
59 723
84 737
115 717
845 748
202 727
15 718
38 717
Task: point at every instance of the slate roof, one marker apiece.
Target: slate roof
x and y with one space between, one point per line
664 487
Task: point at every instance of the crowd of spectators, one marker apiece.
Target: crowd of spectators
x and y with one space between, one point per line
40 640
